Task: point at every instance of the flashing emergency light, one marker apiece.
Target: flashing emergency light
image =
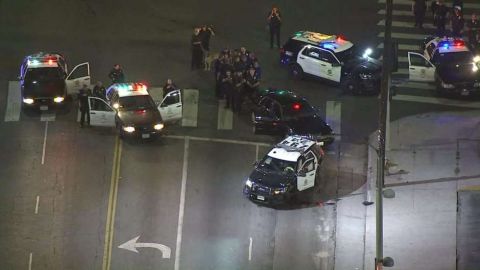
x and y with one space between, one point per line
50 61
458 43
296 106
329 46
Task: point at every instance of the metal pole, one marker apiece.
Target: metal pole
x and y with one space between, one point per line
382 129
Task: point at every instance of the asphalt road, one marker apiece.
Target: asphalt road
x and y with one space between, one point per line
69 196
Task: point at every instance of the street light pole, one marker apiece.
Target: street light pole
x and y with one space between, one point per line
382 136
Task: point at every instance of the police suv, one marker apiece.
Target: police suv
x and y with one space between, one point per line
332 58
45 81
130 108
290 167
449 63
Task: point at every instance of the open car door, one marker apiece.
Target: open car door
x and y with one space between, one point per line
171 107
306 175
79 76
101 114
419 68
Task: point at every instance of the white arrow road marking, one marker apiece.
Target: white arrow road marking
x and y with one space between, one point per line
132 245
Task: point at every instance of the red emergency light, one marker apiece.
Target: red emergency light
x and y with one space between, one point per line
296 106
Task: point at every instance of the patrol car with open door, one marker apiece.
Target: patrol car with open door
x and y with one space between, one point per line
332 58
449 63
45 81
130 108
290 167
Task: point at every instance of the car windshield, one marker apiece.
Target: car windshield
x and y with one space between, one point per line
43 74
132 103
277 165
452 58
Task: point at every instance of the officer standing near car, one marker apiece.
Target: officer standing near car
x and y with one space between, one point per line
99 90
238 91
274 22
473 26
440 17
116 74
457 22
252 82
83 95
419 7
197 50
227 88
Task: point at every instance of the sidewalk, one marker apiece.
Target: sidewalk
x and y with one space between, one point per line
431 157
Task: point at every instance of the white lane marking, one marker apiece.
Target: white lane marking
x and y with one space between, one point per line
403 59
256 152
14 102
250 249
190 107
333 117
403 47
404 36
44 142
30 259
410 13
225 116
409 3
206 139
416 85
406 24
47 116
440 101
36 204
182 204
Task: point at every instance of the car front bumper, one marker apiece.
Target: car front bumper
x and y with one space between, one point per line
268 198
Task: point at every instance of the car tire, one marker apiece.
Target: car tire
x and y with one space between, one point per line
296 72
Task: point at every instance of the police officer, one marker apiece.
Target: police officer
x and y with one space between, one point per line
116 74
217 69
99 90
206 33
238 91
227 88
252 82
274 22
197 49
440 17
169 87
473 27
419 7
83 95
457 22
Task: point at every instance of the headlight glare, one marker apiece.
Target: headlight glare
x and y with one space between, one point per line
129 129
248 183
280 190
158 126
58 99
28 100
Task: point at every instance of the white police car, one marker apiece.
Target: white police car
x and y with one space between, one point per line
290 167
45 80
449 63
332 58
130 108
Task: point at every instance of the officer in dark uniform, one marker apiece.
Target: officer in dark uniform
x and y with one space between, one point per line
227 87
440 17
419 8
169 87
83 95
116 74
473 27
99 90
252 82
197 50
238 91
217 69
457 22
274 22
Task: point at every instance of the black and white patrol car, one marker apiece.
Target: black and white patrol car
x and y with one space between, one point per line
290 167
331 58
45 81
282 112
130 108
449 63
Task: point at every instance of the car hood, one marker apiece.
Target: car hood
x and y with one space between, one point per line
271 179
458 73
148 117
48 88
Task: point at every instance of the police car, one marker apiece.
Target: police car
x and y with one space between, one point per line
130 108
449 63
332 58
290 167
46 82
282 112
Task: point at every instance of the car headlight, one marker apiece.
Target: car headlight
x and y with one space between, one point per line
116 105
476 58
367 53
129 129
28 100
280 190
158 126
365 76
58 99
447 85
248 183
474 67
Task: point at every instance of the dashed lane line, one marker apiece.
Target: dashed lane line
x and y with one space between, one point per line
181 207
37 204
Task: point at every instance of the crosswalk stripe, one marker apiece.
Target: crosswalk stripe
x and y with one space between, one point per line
403 59
333 117
401 71
410 13
406 24
47 116
403 47
416 85
409 3
225 116
14 102
404 36
436 100
190 107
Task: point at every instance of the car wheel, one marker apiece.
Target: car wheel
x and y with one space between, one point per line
296 72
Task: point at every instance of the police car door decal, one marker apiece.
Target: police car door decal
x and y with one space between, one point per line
419 68
306 175
171 108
